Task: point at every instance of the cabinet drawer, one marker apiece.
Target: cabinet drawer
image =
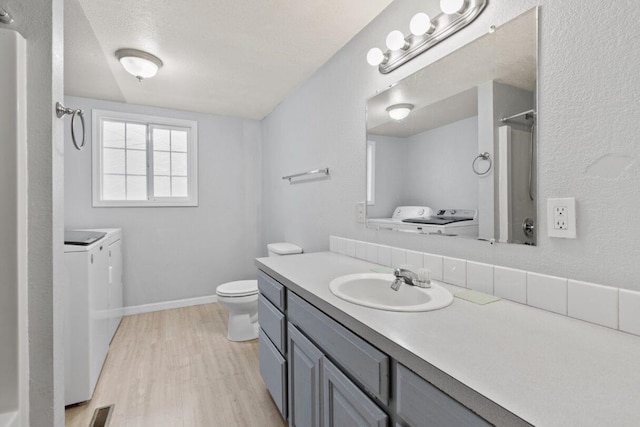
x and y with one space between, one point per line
273 369
273 323
419 403
345 404
368 365
270 288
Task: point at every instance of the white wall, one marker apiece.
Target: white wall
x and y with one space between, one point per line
587 111
12 172
41 23
180 252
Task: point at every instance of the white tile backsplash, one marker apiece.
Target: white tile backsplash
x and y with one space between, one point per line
361 250
398 257
384 255
593 303
547 292
351 248
480 277
607 306
433 263
510 284
629 311
455 271
414 259
333 244
372 252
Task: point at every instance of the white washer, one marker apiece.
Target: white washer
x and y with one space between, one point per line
93 306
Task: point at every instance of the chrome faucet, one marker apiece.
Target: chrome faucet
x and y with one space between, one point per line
410 278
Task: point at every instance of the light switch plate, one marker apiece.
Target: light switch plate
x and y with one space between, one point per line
561 218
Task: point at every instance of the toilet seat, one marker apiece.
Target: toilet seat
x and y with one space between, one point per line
240 288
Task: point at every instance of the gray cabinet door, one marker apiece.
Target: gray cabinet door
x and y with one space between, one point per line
273 369
305 364
346 405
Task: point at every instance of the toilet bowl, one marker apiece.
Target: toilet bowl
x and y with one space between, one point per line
240 299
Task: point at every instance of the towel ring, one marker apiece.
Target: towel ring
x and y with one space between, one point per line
483 156
62 111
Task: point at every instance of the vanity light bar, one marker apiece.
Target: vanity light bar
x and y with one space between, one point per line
456 15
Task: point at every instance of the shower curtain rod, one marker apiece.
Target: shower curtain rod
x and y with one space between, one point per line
515 116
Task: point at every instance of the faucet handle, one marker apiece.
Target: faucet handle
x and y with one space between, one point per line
424 278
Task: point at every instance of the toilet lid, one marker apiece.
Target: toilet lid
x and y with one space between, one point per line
240 288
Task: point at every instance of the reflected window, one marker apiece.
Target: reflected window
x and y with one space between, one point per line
371 173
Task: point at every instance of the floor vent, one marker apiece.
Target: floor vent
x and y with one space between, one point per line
102 416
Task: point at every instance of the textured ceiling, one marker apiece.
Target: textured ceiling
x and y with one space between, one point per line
227 57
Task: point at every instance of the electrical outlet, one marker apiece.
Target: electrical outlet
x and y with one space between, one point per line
561 217
360 212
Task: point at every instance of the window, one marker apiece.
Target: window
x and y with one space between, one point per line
144 161
371 173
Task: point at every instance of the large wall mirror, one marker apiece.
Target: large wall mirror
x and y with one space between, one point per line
451 149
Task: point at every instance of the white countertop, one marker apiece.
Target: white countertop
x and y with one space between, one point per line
548 369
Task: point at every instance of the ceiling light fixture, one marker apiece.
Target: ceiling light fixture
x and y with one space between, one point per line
140 64
426 32
399 111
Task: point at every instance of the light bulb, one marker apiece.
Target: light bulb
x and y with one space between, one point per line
399 111
395 40
375 57
453 6
420 24
139 67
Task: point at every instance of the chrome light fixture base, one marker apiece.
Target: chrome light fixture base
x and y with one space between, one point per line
445 25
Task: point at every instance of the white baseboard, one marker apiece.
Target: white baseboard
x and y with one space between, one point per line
167 305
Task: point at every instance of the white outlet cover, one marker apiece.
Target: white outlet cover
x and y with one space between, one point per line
570 218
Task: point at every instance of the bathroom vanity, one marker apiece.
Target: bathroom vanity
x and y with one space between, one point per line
326 361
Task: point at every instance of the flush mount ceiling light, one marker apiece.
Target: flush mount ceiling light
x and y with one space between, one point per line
140 64
425 33
399 111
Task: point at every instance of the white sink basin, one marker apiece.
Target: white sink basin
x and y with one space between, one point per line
374 290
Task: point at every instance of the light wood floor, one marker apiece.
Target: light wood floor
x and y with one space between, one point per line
175 368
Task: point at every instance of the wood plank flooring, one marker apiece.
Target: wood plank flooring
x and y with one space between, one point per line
176 368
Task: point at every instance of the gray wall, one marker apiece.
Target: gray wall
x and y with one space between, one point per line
390 175
180 252
588 111
439 171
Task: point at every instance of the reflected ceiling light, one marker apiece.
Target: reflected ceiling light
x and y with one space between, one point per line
395 40
453 6
421 24
426 32
140 64
399 111
375 56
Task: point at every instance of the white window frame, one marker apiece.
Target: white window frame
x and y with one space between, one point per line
99 116
371 173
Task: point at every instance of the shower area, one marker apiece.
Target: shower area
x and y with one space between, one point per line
13 234
516 154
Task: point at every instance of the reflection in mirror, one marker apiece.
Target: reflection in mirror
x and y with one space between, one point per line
462 162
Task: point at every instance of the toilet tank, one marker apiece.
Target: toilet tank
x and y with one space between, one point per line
283 248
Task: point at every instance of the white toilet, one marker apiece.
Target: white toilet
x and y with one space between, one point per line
240 299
